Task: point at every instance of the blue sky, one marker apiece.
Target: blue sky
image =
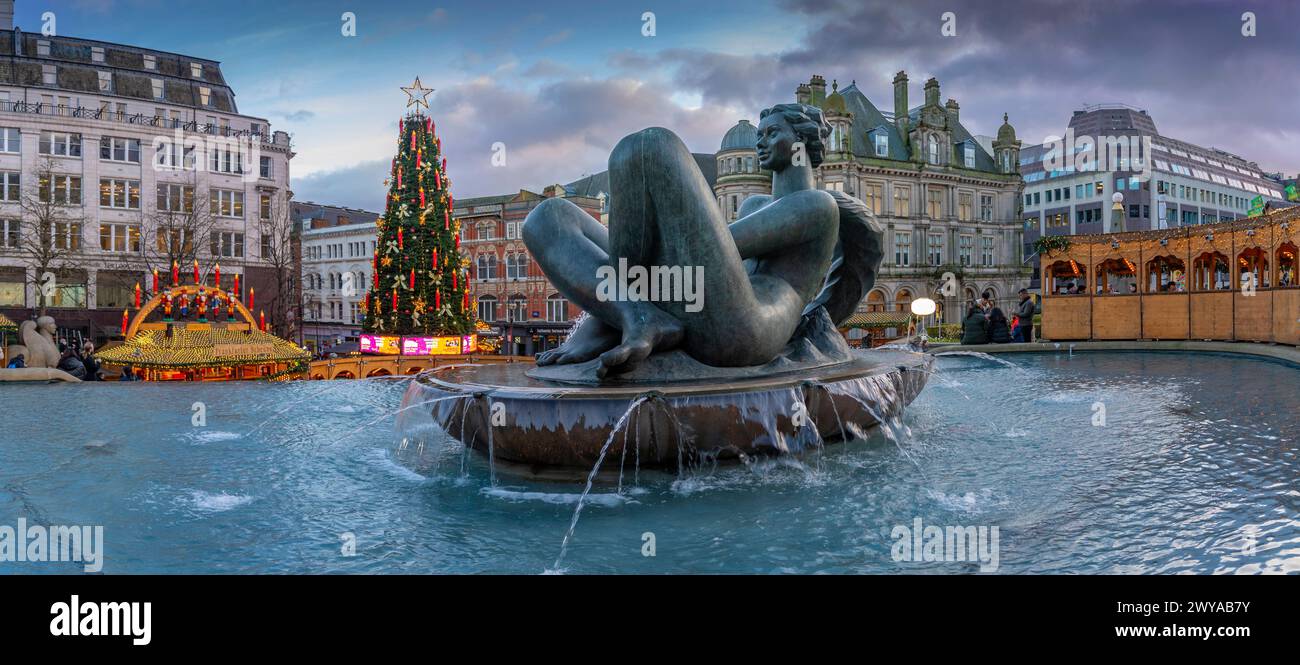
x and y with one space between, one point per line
560 82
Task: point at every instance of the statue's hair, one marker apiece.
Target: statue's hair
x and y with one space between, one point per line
808 125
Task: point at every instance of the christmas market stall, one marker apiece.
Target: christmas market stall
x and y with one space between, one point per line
197 332
871 329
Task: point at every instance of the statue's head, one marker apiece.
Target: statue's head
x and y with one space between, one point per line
782 126
46 323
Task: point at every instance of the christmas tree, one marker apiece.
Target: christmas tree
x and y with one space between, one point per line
419 285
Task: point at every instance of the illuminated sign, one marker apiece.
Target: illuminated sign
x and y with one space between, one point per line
1256 207
381 344
439 346
1291 193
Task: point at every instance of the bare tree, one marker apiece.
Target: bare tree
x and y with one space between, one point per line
280 253
51 229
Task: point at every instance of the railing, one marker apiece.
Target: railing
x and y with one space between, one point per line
277 138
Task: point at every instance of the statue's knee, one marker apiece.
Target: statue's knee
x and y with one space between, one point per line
649 144
544 221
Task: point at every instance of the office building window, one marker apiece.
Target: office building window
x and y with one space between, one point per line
66 190
10 140
175 198
175 240
10 186
119 238
118 193
227 203
116 149
60 144
227 244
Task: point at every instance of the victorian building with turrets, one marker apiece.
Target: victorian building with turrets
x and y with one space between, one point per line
948 201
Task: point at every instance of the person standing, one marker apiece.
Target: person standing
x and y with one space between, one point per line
1025 312
91 364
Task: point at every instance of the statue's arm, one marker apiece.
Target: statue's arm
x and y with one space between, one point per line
774 225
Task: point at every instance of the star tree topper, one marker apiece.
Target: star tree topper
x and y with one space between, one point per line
418 94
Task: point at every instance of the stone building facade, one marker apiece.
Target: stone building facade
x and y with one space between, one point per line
947 203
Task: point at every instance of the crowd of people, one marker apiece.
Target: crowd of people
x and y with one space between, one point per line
80 363
986 323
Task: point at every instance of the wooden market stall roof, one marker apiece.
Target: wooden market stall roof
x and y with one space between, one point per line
188 348
874 320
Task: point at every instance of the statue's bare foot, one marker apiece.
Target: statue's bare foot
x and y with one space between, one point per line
654 330
588 340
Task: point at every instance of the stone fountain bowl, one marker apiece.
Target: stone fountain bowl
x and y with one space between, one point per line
541 424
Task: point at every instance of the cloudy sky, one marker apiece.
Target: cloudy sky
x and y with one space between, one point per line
558 83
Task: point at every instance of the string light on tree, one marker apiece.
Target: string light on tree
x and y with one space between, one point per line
418 288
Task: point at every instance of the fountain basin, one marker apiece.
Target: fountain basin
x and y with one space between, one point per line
520 419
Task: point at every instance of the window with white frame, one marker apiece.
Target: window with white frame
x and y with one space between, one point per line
557 308
105 81
174 155
43 48
266 167
10 233
986 207
882 144
934 249
175 198
175 240
902 200
119 193
10 140
196 70
487 266
66 235
60 144
968 156
151 62
227 244
512 230
116 149
119 238
487 308
66 189
965 206
205 96
227 203
965 249
10 186
986 251
903 249
157 85
225 160
871 195
97 54
517 308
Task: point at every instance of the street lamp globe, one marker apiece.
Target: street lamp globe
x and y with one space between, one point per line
923 307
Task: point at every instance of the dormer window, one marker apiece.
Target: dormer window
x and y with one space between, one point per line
205 96
105 82
43 47
968 156
882 144
157 88
933 149
49 74
150 62
196 70
97 54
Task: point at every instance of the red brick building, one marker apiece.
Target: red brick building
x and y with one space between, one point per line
508 289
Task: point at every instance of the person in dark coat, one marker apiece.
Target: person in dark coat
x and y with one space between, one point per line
999 330
1025 311
89 361
975 327
70 364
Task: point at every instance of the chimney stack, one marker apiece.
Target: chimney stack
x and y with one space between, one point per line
900 103
954 111
932 92
818 86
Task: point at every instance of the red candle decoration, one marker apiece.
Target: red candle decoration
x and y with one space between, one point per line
176 273
467 301
412 139
217 276
261 318
137 295
237 285
376 279
435 259
437 299
453 280
399 176
412 278
437 180
125 323
419 158
421 197
250 297
196 271
399 238
428 123
394 299
457 238
446 219
155 280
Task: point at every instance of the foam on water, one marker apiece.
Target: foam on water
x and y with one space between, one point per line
212 436
603 499
216 502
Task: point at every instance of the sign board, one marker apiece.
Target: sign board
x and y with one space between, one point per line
439 346
389 345
1292 194
1256 207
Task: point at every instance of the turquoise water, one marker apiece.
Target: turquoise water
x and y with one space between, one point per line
1194 470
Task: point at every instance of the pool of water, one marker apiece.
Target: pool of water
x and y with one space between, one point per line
1194 469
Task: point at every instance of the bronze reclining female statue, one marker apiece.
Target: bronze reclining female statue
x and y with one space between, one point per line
785 256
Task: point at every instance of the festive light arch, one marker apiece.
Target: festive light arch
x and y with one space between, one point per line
189 290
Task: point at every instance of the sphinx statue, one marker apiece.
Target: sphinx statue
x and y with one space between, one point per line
795 263
40 353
